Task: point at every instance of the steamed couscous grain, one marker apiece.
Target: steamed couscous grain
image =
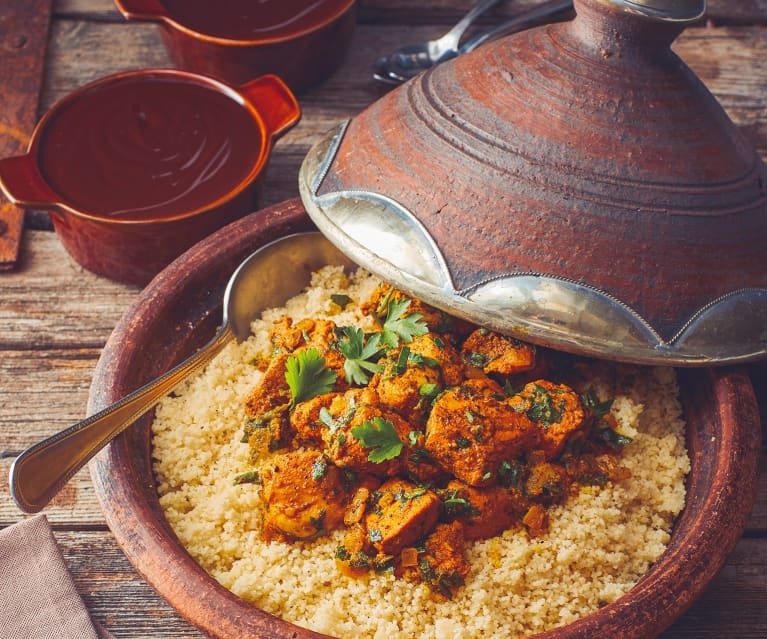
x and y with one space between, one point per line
600 541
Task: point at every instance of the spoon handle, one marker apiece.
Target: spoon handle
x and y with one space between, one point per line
523 21
478 9
42 470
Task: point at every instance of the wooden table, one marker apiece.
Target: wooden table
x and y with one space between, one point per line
55 317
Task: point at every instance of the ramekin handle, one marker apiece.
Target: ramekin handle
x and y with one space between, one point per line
142 9
274 101
22 183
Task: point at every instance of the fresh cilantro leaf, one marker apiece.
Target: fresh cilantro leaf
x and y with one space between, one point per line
307 376
379 434
399 326
359 354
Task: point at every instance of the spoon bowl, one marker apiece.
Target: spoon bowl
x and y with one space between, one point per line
410 60
258 283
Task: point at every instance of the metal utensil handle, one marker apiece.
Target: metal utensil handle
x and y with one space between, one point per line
518 23
478 9
42 470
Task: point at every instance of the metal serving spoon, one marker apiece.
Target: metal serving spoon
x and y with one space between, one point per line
396 68
411 59
266 279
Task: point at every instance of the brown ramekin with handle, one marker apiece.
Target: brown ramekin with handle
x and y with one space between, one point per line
138 166
302 41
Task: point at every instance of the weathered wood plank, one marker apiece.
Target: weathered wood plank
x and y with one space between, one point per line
51 301
75 506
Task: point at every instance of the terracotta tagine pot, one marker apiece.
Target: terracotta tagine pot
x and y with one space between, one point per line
575 185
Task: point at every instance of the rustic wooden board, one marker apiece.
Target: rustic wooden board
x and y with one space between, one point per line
51 301
23 38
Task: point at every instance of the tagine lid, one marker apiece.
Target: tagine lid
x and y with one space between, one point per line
574 185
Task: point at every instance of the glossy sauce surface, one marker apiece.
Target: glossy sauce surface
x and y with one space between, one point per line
252 19
148 147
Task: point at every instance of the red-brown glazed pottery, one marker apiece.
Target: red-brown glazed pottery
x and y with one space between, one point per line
179 311
137 167
575 184
303 42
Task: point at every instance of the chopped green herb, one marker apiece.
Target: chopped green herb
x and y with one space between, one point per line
359 353
251 477
543 409
342 300
342 554
401 364
319 468
428 390
597 408
380 435
307 376
509 473
613 438
462 442
419 360
476 359
412 437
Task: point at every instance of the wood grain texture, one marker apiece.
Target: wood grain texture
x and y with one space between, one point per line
23 39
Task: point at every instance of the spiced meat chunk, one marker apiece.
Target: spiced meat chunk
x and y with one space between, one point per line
401 513
491 352
484 512
319 334
354 415
303 495
413 373
443 565
472 430
556 411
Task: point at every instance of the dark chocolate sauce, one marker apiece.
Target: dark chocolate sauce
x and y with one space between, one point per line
252 19
149 146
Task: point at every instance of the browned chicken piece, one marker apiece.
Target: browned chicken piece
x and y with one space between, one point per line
413 374
419 465
377 305
303 494
555 409
267 408
431 347
305 419
438 321
472 430
346 450
484 512
491 352
272 392
444 566
401 514
287 337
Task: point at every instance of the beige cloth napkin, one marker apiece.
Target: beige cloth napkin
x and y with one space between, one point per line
37 594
